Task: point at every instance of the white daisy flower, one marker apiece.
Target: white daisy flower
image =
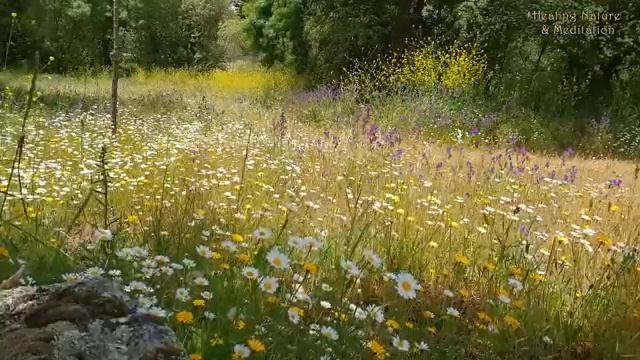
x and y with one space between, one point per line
241 351
329 332
250 273
406 285
182 294
402 345
277 259
373 258
453 312
269 284
353 271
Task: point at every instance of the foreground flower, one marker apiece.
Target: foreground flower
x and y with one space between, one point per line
295 314
400 344
256 345
241 352
353 271
453 312
262 233
376 348
406 285
184 317
195 356
102 234
250 273
269 284
277 259
329 332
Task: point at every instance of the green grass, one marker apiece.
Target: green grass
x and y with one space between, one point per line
512 260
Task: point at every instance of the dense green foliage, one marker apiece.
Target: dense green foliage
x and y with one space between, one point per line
560 74
165 33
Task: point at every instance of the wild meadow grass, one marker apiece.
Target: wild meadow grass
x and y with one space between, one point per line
305 228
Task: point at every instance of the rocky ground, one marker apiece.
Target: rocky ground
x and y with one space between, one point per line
87 319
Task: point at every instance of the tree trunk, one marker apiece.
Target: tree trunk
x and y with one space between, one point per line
115 62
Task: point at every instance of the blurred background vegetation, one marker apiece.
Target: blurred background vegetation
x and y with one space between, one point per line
557 90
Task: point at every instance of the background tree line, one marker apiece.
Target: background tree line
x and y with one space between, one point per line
154 33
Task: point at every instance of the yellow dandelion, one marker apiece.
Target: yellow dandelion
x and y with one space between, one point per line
310 267
199 302
489 266
462 259
237 238
133 219
216 340
464 293
4 252
408 325
184 317
428 314
239 324
518 304
432 330
483 316
516 271
393 324
215 255
603 240
376 348
244 258
256 345
511 321
195 356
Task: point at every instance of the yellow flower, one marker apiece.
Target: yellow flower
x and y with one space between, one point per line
428 314
184 317
273 299
518 304
536 276
216 340
310 267
4 251
244 258
511 321
489 266
237 238
464 292
516 271
14 15
400 211
462 259
561 239
376 348
215 255
603 240
225 266
483 316
614 208
132 219
409 325
198 302
393 324
256 345
195 356
432 330
239 324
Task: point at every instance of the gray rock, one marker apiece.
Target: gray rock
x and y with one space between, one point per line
87 319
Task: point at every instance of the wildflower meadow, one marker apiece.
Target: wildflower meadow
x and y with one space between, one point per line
256 234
